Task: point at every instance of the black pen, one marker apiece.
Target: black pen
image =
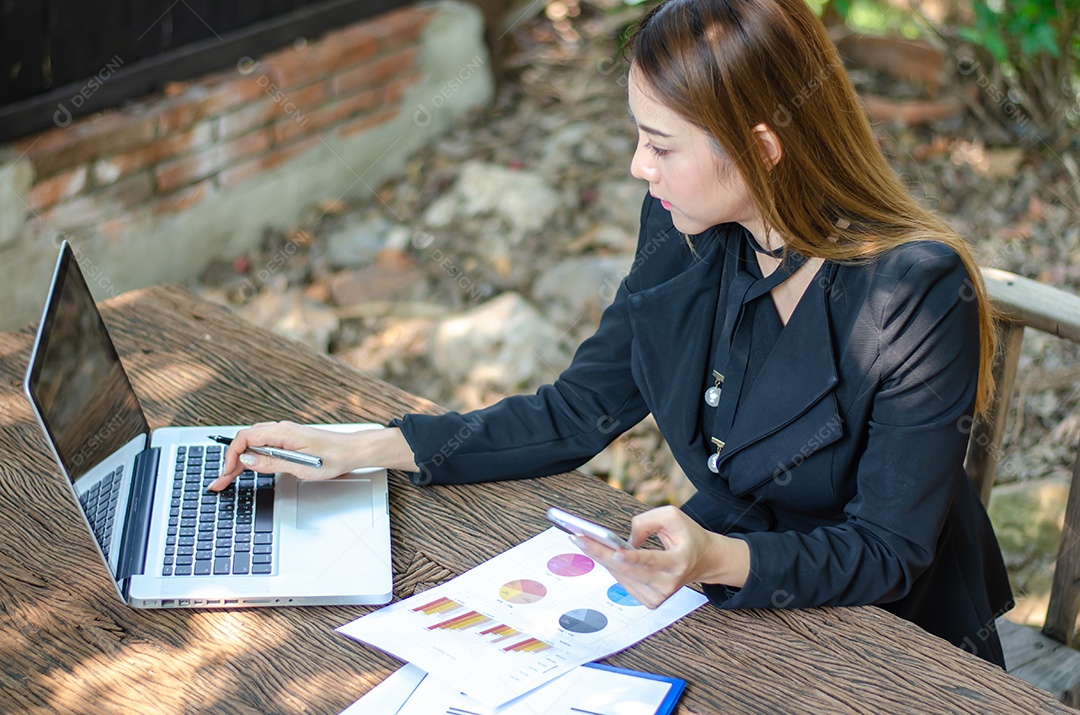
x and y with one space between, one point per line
286 454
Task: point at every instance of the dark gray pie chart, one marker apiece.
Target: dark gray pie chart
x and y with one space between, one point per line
583 620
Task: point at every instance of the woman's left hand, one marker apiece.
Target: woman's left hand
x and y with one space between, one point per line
690 554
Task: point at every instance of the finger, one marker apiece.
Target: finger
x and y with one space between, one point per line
223 481
261 463
225 478
641 528
237 457
644 592
647 575
649 589
232 466
284 435
591 548
640 558
264 464
663 521
619 562
264 434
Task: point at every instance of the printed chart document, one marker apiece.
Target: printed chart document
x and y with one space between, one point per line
592 688
517 621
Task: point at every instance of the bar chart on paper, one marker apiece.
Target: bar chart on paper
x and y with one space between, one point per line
471 619
517 621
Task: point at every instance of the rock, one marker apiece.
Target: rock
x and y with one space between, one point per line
393 350
522 198
400 237
604 236
565 146
503 344
621 202
290 313
581 287
1003 163
358 240
622 146
393 276
442 211
993 163
614 238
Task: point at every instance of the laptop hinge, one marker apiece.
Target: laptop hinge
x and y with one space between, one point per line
137 522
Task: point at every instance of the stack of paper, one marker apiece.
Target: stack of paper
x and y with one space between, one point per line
592 688
516 622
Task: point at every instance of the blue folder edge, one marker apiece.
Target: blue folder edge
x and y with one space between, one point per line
674 693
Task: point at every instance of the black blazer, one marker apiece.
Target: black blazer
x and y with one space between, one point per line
843 470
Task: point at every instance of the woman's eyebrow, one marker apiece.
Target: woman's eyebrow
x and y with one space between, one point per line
647 130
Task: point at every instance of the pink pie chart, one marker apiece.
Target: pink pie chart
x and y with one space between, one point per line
570 565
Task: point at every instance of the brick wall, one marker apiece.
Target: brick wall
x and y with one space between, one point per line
224 145
218 132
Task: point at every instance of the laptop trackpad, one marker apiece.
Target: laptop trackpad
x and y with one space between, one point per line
334 504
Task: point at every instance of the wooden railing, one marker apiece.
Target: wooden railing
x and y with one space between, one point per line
1025 303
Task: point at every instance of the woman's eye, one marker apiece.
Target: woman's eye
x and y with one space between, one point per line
657 150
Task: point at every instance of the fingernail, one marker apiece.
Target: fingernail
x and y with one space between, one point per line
247 460
619 555
576 541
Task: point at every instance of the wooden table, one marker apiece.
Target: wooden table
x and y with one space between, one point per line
68 645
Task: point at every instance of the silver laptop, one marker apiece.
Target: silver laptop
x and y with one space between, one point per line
268 540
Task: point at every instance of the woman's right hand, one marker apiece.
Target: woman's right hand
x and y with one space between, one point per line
341 452
690 553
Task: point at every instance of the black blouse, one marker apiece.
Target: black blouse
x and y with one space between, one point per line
743 334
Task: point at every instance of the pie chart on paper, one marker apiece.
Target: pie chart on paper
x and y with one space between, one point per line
522 591
583 620
570 564
618 594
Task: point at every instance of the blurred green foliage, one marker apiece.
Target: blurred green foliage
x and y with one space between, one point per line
1026 51
1021 31
1034 46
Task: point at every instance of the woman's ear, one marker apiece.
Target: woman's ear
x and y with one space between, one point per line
771 148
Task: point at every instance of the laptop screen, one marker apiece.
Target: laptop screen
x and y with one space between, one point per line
82 393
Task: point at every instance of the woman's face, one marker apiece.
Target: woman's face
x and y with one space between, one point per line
693 180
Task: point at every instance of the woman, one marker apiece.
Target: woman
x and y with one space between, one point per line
809 340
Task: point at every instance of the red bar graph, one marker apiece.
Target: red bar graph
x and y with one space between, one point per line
441 605
501 632
463 622
463 619
529 645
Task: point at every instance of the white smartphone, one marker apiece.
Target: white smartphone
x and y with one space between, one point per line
572 524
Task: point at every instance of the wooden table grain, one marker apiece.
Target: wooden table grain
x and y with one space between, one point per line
68 645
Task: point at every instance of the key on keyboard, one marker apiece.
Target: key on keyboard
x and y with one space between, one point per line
99 505
211 534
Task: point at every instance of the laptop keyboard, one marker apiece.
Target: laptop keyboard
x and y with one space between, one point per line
99 505
218 534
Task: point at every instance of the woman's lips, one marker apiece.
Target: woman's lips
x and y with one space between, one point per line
665 204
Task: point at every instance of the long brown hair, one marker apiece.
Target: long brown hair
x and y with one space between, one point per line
727 66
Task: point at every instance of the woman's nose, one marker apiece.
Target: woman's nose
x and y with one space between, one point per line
641 168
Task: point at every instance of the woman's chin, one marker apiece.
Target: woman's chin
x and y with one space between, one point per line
690 228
